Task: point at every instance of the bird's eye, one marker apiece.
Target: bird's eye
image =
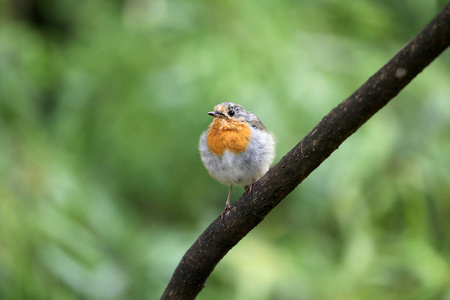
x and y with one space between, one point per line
231 112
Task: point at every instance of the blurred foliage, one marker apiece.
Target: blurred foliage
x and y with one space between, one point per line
101 186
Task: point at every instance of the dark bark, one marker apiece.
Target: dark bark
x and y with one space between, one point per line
199 261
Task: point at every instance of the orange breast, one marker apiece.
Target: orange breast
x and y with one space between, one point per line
226 134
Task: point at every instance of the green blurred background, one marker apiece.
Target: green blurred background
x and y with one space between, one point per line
101 185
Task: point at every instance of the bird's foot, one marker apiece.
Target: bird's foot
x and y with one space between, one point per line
249 188
222 215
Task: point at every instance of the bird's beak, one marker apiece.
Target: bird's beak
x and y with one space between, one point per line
216 114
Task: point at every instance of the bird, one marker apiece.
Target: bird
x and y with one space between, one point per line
236 149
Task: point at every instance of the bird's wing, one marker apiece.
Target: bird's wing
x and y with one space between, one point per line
256 123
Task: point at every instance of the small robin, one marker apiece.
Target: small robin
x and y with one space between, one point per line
236 149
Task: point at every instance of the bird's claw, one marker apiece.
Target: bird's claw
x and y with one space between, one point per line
249 188
222 215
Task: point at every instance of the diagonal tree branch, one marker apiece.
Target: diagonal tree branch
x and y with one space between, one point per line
212 245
